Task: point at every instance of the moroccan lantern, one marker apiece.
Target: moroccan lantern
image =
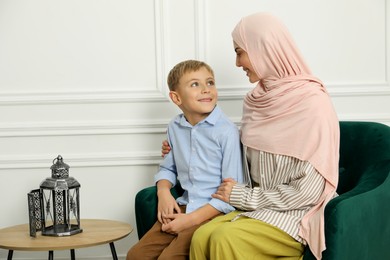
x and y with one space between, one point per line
58 211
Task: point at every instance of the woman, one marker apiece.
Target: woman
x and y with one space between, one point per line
290 135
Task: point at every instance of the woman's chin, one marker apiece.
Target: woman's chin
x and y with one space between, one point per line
253 80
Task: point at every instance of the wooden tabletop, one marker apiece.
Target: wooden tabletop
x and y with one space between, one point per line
95 232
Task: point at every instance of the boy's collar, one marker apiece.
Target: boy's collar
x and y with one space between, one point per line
210 119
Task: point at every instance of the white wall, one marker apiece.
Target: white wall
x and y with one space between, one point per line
86 79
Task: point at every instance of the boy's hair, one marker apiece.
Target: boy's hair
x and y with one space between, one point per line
182 68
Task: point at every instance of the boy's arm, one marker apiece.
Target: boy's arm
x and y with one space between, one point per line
203 213
180 222
166 202
165 179
232 156
231 166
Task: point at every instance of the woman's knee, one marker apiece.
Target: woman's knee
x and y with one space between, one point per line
201 234
221 235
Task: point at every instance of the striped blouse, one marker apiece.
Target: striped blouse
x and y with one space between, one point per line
281 190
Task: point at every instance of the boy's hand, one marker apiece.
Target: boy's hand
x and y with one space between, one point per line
167 205
224 190
178 223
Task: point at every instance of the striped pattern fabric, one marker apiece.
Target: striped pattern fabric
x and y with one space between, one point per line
281 192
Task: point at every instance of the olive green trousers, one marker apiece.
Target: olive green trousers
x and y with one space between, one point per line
242 239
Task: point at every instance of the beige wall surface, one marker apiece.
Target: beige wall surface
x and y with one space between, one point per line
86 80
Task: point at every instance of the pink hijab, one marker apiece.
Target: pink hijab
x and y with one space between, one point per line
289 112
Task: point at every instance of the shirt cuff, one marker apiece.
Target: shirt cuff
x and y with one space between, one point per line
236 195
221 205
165 176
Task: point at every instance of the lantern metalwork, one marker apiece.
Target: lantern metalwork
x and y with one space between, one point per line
58 211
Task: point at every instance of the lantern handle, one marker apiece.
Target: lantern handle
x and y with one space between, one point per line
58 158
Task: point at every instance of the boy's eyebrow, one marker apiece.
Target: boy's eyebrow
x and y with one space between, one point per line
196 79
193 79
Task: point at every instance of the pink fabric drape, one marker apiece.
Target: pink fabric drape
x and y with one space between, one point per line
289 112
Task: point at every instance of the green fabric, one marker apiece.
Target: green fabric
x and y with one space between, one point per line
357 224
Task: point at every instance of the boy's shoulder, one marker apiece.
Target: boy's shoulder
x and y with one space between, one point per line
223 119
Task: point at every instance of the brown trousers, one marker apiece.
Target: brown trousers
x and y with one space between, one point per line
156 244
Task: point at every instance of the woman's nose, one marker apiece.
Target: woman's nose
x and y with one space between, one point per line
238 64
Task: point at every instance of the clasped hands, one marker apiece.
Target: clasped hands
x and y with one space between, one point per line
170 216
173 220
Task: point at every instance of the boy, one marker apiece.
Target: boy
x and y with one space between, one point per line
205 149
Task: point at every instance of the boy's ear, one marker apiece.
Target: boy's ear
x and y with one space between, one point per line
175 97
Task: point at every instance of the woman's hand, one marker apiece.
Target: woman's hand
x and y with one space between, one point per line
165 148
224 190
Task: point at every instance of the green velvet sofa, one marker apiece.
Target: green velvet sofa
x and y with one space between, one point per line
357 223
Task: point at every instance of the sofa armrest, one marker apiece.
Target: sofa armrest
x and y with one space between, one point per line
357 222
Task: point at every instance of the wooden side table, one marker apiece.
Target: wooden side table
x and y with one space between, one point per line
95 232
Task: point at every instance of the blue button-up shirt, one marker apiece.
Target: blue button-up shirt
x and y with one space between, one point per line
201 157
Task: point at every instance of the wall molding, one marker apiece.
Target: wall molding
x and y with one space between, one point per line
81 160
83 128
226 92
151 158
76 128
80 97
160 23
335 90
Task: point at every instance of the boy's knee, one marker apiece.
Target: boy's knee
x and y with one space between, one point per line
134 254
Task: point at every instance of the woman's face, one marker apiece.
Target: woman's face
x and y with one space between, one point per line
242 60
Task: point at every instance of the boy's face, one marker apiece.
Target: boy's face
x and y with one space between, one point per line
196 95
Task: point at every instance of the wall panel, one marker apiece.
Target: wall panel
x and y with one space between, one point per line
87 80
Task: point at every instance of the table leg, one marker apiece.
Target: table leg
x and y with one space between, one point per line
72 254
10 253
113 251
50 255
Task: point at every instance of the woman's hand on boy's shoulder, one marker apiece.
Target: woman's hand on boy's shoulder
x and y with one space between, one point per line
165 148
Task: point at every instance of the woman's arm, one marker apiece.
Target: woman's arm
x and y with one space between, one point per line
299 193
